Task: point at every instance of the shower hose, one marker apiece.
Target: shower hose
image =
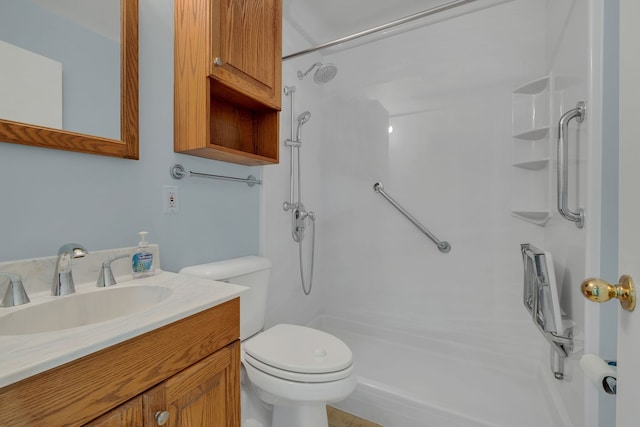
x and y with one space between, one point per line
313 246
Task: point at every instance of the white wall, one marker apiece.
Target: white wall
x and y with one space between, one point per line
574 57
446 89
287 302
51 197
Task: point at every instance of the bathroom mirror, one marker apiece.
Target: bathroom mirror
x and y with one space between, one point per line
120 143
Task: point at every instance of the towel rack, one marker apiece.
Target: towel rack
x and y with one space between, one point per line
563 164
443 247
178 172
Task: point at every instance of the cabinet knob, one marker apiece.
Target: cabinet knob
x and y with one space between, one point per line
217 62
161 417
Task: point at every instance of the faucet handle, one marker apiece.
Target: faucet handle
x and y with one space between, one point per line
105 278
15 294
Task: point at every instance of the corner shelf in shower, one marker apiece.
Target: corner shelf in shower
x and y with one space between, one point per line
533 165
537 217
531 146
533 134
534 87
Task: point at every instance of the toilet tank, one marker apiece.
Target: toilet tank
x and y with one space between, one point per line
251 271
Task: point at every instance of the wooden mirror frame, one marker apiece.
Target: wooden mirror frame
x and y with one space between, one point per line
127 146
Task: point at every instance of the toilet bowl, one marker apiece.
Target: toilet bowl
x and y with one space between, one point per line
298 370
295 369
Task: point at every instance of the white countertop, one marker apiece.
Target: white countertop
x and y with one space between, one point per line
22 356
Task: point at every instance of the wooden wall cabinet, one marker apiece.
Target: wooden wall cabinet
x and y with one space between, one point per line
190 368
227 79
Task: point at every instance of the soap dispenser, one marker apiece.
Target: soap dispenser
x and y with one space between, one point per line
142 259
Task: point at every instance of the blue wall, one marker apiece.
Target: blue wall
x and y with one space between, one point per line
610 154
50 197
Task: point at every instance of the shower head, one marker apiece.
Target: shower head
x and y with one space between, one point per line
302 119
324 74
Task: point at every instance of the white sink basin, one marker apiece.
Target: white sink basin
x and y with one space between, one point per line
51 331
80 309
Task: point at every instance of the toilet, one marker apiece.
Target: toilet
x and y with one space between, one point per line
293 369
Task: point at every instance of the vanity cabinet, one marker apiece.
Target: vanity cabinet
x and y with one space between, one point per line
227 79
205 394
190 368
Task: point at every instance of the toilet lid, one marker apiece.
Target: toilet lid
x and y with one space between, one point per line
299 349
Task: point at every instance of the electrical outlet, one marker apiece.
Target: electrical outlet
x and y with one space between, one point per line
170 199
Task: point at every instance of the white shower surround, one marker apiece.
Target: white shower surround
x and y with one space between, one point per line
451 375
446 89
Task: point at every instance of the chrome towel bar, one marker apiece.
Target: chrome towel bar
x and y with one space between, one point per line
178 172
577 113
443 247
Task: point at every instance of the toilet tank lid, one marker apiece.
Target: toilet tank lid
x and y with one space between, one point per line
221 270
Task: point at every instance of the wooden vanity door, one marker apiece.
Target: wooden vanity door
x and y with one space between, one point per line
206 394
126 415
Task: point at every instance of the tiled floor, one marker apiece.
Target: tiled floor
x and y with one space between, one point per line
338 418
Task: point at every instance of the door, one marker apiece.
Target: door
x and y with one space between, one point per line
627 407
206 394
246 47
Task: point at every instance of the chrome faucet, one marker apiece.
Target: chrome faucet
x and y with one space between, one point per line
15 294
62 277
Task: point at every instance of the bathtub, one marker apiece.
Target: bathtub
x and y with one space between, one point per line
451 375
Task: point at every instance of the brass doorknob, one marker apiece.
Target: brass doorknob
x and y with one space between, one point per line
598 290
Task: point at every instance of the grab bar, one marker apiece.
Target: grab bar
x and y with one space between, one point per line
577 113
443 247
178 172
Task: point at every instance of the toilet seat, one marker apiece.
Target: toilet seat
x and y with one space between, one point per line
297 376
298 353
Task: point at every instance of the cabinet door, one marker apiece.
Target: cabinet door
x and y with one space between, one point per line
206 394
246 39
128 414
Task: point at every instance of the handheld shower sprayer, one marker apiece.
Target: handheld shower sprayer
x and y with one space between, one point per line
302 119
300 217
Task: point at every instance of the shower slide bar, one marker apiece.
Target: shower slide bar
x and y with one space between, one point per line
178 172
577 113
383 27
443 247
